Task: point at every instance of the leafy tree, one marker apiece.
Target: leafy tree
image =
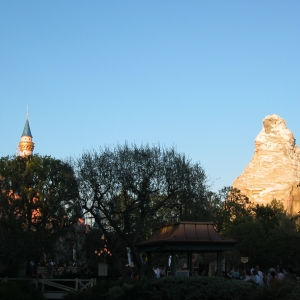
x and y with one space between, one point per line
265 233
131 190
35 193
251 238
228 205
269 215
283 240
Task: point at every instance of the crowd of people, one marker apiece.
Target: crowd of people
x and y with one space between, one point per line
159 271
260 278
163 271
254 275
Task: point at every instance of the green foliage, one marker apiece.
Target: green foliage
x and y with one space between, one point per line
35 192
35 189
284 289
229 205
269 215
173 288
193 288
233 208
95 292
284 244
120 292
295 294
266 234
78 295
251 239
19 291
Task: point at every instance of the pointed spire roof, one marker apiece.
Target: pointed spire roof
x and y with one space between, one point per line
26 131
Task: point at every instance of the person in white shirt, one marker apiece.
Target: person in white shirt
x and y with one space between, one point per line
260 274
256 278
280 274
248 275
156 271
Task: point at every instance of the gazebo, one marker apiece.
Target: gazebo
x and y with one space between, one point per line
188 237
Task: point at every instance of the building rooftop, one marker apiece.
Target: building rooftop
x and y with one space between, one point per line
187 236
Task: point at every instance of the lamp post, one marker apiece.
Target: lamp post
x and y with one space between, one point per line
102 253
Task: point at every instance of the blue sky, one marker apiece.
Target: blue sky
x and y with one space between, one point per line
198 75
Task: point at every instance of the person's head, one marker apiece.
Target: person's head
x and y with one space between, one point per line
155 267
255 272
273 274
257 268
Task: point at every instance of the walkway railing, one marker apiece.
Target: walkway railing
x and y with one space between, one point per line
61 288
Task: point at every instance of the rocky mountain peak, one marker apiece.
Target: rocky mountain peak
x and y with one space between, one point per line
274 171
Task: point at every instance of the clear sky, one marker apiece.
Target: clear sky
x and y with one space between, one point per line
198 75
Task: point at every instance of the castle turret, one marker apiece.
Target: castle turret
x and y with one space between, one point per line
26 145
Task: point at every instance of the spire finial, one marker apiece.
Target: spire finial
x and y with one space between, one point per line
27 113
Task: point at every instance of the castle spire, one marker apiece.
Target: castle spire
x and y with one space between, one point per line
26 145
26 131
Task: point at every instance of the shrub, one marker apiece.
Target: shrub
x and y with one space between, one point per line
19 291
170 288
96 291
284 289
178 288
295 294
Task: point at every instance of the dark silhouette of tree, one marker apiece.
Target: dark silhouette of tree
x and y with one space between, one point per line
130 190
35 193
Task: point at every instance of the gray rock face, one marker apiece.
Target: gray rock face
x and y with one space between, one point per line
274 171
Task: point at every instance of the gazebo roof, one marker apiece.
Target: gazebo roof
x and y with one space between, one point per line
201 236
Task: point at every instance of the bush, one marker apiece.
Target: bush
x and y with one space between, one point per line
284 289
170 288
178 288
78 295
19 291
96 291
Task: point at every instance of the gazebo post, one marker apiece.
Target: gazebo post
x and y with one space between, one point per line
189 258
167 263
173 264
219 264
149 265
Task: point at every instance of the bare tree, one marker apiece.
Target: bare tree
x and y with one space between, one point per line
130 189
